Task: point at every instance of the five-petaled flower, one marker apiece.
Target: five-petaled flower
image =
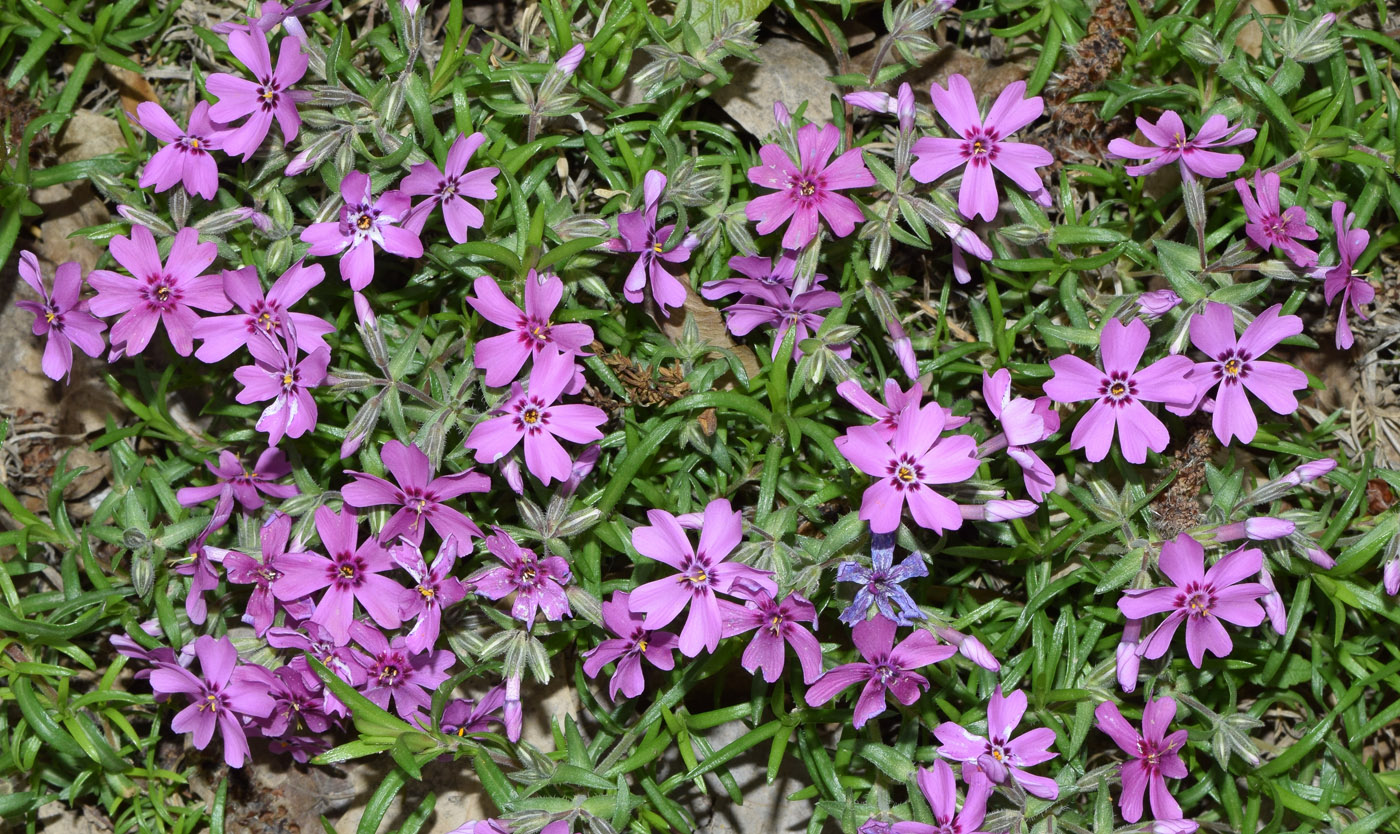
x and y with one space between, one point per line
394 672
1155 755
1342 278
634 641
60 315
998 754
1170 143
1269 225
268 96
774 623
433 590
638 232
538 584
881 584
364 224
449 187
266 313
940 789
217 699
276 374
885 668
777 307
532 331
185 157
419 496
808 190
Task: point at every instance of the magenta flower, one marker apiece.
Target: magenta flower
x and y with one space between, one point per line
243 569
363 225
434 590
266 313
350 573
271 13
262 99
538 584
776 307
418 495
886 668
980 145
886 414
906 468
62 316
393 672
532 416
997 754
1235 367
218 698
1155 755
639 233
773 623
463 717
1342 278
703 572
277 375
185 157
168 292
633 642
1023 422
1170 144
237 483
809 188
503 356
1268 226
1199 598
759 273
449 187
297 707
1119 391
941 790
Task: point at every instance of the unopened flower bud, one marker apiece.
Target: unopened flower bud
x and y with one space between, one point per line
904 108
781 115
1259 528
1320 558
1171 827
1199 45
1313 44
1310 471
999 510
568 64
1157 302
872 100
1391 575
1273 603
1128 659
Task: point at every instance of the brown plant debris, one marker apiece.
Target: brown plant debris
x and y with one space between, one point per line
663 387
1178 508
1075 127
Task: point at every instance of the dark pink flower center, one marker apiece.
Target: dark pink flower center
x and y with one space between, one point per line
1196 599
268 92
1118 389
392 669
980 145
695 575
161 293
264 316
212 699
1232 366
266 575
1151 755
531 415
533 331
529 574
192 144
347 571
905 472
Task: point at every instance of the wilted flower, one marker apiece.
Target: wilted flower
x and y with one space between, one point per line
882 584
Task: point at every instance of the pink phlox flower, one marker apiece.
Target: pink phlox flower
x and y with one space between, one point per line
262 313
808 189
271 13
639 233
886 414
1157 303
538 584
419 496
60 315
777 307
1023 422
633 642
1274 607
907 466
1198 598
1119 391
980 145
159 655
1156 755
168 292
998 754
759 273
185 157
885 668
394 672
941 790
365 222
1268 225
1342 278
449 187
267 96
277 375
703 573
1235 366
297 707
533 416
350 571
1170 143
774 623
532 330
242 484
243 569
432 591
314 639
465 718
218 698
200 569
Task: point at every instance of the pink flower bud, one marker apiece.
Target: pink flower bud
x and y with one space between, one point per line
1263 528
1310 471
1128 660
904 108
781 115
1321 559
1391 574
1158 302
1273 603
569 63
1171 827
874 101
363 311
999 510
969 647
904 350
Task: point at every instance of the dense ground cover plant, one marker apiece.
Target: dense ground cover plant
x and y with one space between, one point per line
471 418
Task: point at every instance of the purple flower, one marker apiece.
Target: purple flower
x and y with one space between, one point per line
569 61
941 791
886 414
639 233
759 273
450 187
998 754
434 590
1023 422
262 99
1127 661
1118 392
393 672
464 718
244 570
538 584
62 316
263 313
773 623
277 375
418 495
1157 303
776 307
363 225
167 292
297 707
1235 366
980 145
633 642
503 356
218 698
272 13
1268 226
350 573
532 416
881 584
907 466
809 188
1351 243
185 157
886 668
703 572
1155 755
1198 597
1170 144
